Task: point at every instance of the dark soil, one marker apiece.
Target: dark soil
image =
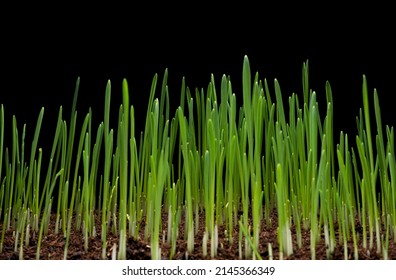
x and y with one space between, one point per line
52 247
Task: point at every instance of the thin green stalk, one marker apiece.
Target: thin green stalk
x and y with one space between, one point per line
86 193
392 171
231 192
61 195
370 172
124 170
135 195
257 189
108 145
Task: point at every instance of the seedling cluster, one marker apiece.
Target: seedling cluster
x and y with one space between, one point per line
234 165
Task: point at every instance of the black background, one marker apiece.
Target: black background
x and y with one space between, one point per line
43 54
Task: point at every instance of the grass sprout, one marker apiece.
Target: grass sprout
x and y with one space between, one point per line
230 169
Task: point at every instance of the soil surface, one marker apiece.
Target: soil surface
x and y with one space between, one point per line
52 247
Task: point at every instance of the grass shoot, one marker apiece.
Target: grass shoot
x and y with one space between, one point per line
242 171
